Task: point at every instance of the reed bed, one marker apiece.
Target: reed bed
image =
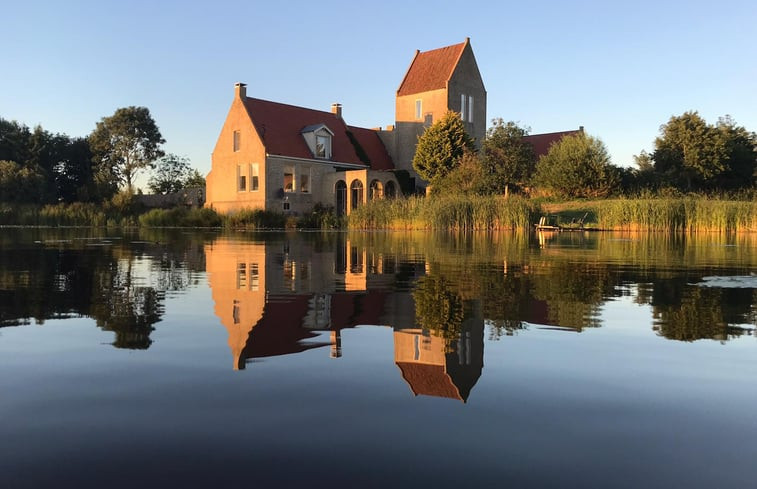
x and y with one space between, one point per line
689 215
455 212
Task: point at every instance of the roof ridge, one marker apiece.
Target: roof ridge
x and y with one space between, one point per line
291 105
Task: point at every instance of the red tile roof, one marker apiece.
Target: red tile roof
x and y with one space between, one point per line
280 127
431 70
542 142
429 380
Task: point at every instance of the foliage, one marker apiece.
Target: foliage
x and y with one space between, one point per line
124 144
321 217
437 307
441 147
456 211
688 214
507 159
255 219
171 174
181 217
691 154
63 163
577 166
194 179
467 178
20 184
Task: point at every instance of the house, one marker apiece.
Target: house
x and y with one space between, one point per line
437 81
281 157
542 142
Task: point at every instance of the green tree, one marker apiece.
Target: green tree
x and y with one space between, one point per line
441 147
19 183
507 159
468 177
124 144
170 174
694 155
194 179
577 166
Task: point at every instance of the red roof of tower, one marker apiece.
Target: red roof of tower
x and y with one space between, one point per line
429 380
431 70
280 127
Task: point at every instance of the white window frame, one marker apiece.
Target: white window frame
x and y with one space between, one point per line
463 112
254 177
326 138
241 180
470 108
418 108
291 170
236 137
305 177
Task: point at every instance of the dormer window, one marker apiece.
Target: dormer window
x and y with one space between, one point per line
322 146
318 138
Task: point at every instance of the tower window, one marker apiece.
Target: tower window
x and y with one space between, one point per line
418 108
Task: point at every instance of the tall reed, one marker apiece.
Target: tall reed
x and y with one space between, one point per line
688 214
458 212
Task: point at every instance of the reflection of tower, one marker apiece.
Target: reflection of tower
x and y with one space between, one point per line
435 366
336 343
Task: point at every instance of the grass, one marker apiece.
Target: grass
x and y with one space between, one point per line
455 212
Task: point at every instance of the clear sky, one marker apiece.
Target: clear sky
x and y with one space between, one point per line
620 69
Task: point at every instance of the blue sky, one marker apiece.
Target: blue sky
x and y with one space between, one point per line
619 70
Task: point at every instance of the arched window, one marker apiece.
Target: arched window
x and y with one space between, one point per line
390 191
340 191
376 190
356 194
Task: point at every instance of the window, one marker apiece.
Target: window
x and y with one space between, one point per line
254 277
463 98
254 180
241 179
289 179
470 108
236 141
356 194
286 206
418 108
241 275
305 181
322 146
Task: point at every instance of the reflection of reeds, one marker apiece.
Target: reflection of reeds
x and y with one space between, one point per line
692 215
459 212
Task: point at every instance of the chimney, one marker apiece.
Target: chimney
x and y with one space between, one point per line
240 90
336 109
581 128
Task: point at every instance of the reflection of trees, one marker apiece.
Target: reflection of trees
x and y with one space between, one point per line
111 283
437 307
704 313
127 309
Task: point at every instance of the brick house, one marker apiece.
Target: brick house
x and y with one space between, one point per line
281 157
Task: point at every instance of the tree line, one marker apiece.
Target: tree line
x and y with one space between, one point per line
689 155
41 167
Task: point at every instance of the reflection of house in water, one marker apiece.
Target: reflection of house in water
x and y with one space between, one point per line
272 296
435 366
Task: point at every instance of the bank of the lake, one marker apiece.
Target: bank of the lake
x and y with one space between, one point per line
688 214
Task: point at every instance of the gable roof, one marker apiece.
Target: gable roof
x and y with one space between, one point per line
542 142
280 126
430 70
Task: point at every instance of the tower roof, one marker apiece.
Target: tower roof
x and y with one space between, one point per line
430 70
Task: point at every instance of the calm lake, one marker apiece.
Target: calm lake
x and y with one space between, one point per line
208 359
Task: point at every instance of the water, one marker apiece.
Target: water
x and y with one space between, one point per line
167 358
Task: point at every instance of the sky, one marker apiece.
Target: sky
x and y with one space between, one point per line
619 69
